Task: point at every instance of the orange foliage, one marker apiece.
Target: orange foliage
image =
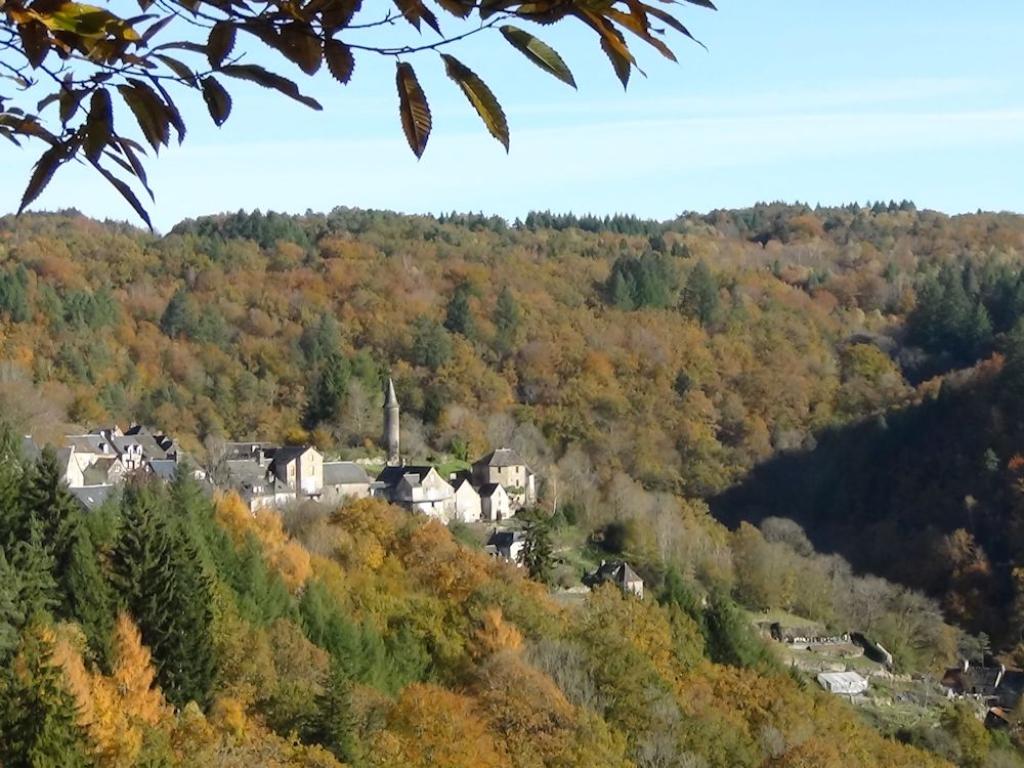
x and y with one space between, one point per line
287 557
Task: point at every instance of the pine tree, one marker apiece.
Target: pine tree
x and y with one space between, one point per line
47 499
88 596
335 725
459 318
163 586
15 522
700 294
37 592
179 317
620 292
12 613
37 714
329 391
536 554
506 313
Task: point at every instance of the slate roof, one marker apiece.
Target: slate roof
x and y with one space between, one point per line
289 453
390 399
504 539
63 459
459 482
98 473
246 472
392 476
93 496
89 443
165 469
501 457
617 571
488 490
344 473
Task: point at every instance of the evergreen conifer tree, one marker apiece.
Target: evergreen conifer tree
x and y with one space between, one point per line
329 391
37 593
48 501
12 614
88 596
37 714
700 294
459 318
536 554
335 725
163 586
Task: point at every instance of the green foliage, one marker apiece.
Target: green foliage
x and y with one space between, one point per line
37 714
459 316
88 595
329 391
14 294
537 555
730 637
647 281
950 319
162 584
699 297
431 345
335 724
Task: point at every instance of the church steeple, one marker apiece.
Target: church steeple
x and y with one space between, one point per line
391 424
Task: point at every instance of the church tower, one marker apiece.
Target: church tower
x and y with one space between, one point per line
391 428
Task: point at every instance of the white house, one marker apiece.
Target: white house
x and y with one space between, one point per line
468 507
844 683
495 504
419 488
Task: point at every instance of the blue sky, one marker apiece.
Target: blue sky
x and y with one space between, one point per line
795 100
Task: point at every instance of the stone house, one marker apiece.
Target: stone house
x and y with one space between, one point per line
495 503
298 467
506 467
468 505
344 480
619 573
418 488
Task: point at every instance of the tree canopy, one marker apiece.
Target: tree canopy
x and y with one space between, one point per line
75 67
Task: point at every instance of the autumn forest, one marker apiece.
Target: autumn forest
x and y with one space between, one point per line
780 410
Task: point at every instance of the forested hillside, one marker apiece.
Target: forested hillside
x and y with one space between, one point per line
170 629
856 369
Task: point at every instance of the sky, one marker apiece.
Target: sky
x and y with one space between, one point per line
820 102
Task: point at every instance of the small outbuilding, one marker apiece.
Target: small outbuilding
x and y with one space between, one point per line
506 545
843 683
619 573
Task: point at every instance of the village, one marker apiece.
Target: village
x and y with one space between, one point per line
490 492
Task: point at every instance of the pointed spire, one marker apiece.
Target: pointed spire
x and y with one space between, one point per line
390 399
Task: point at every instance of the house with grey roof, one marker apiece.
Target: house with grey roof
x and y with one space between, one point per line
617 572
506 467
506 545
344 480
495 502
94 496
468 505
418 488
